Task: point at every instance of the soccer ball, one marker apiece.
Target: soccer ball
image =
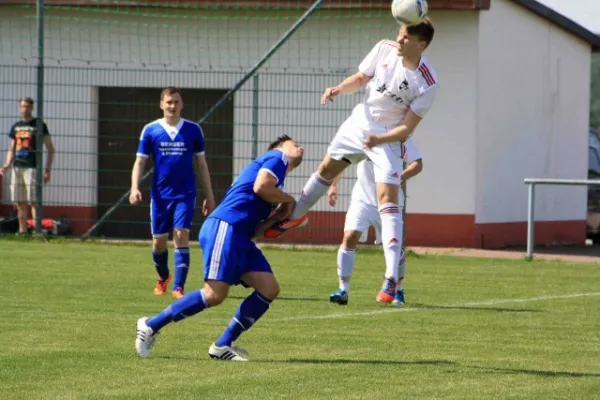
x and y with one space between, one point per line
409 11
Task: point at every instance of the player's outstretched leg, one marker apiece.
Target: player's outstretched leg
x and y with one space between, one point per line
315 188
250 310
145 338
160 256
214 293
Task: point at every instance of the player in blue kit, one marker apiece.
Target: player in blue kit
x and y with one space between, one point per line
230 255
177 147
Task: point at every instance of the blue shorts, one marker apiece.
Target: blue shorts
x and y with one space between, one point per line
166 215
228 254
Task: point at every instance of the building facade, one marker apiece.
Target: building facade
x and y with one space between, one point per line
513 103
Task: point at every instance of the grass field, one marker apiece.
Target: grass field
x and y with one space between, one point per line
472 329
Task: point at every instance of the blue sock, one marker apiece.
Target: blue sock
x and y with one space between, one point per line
182 263
190 304
252 308
161 263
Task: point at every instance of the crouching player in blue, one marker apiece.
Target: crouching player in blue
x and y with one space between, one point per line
230 255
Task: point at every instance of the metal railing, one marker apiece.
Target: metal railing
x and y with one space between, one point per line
532 182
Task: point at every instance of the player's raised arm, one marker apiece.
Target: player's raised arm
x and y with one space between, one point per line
350 85
353 83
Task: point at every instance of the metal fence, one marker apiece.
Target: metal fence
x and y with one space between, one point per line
96 68
531 183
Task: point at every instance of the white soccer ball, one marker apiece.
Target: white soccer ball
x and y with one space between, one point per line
409 11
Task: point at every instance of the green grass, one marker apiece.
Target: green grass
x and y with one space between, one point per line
68 313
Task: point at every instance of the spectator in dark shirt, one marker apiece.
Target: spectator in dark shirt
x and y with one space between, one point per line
21 158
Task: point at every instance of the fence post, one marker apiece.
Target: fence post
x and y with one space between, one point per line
255 117
530 221
39 136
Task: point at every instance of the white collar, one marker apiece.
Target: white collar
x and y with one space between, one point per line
172 131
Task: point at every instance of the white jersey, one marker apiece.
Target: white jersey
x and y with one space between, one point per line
365 188
393 89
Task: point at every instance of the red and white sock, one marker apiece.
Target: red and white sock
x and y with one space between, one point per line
391 237
315 188
345 262
401 271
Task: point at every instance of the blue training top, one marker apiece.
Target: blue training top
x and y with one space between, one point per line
243 208
173 149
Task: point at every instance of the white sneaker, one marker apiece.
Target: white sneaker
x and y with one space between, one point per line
145 338
229 353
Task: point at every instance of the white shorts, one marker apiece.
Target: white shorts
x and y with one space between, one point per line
23 185
348 145
360 217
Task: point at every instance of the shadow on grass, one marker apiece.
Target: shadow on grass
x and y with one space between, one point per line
284 298
368 362
537 372
445 363
436 363
497 309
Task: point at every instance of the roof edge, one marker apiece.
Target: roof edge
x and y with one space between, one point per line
566 23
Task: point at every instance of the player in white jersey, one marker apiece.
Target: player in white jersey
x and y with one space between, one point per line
400 90
363 213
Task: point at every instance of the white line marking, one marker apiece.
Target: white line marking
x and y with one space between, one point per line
407 309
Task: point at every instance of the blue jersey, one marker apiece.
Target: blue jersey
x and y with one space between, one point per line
173 149
243 208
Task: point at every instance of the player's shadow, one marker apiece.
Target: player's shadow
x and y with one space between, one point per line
437 363
279 298
496 309
370 362
557 374
445 363
536 372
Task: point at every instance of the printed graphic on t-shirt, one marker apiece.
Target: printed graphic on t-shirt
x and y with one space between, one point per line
24 141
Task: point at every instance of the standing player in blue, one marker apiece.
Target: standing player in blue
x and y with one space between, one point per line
177 147
230 255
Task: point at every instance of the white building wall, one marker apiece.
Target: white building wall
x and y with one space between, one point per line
446 136
533 113
143 51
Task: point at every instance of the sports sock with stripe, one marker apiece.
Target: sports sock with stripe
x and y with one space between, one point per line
161 263
391 237
190 304
314 189
252 308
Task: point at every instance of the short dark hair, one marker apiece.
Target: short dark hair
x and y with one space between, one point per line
423 30
279 141
27 100
170 90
